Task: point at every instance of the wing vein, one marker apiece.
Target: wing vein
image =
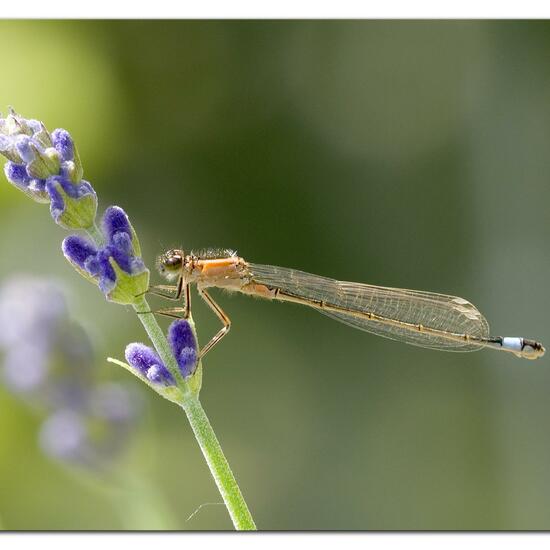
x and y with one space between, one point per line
438 312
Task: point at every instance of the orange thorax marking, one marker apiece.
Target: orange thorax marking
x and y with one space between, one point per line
218 272
209 265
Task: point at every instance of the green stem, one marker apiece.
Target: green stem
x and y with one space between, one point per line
206 438
219 467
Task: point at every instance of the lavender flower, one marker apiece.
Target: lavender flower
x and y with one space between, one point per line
26 304
72 206
31 312
41 345
25 369
93 435
148 365
114 402
113 411
47 168
116 267
48 362
63 436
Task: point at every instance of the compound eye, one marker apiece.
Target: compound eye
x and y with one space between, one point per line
173 261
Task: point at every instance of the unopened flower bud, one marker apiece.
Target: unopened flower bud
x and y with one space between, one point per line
116 267
72 206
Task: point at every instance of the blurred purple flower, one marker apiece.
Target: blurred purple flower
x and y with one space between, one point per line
114 402
94 435
63 436
30 309
48 361
25 368
34 327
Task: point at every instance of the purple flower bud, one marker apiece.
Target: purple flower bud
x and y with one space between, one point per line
45 157
116 267
91 262
39 186
106 272
122 254
57 204
147 363
63 143
122 242
17 175
187 361
92 265
115 220
34 125
23 145
159 375
78 250
141 357
184 346
180 336
72 206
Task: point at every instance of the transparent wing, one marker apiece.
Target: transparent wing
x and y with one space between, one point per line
448 315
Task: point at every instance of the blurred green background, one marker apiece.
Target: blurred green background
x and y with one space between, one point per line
407 154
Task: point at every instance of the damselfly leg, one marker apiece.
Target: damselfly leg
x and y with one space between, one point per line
221 316
174 312
176 292
160 290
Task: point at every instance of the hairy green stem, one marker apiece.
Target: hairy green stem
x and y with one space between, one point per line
219 467
206 438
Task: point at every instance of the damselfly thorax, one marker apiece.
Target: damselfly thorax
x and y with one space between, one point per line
426 319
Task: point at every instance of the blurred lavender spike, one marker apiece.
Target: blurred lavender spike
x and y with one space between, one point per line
48 361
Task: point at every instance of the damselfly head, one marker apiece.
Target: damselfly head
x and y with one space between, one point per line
170 263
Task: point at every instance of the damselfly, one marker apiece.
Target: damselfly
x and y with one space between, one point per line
426 319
